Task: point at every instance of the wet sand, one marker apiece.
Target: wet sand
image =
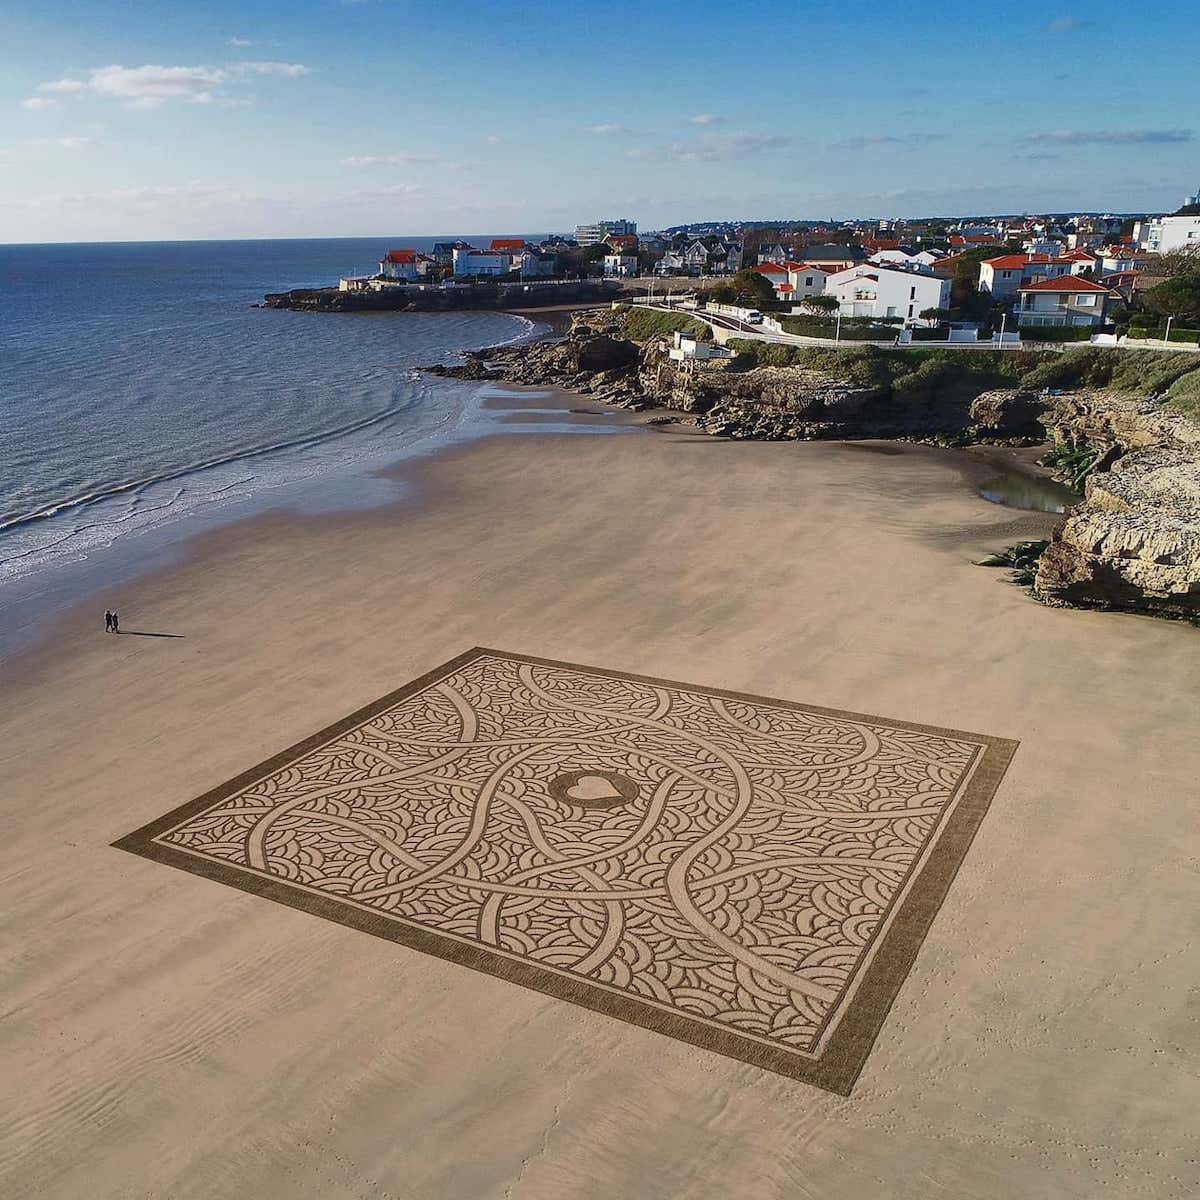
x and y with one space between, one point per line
165 1035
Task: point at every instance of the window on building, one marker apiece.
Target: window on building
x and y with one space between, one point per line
912 294
910 311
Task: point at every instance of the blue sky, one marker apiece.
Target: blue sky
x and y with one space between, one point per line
316 118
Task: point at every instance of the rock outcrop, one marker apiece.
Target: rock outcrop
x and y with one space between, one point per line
1134 542
434 299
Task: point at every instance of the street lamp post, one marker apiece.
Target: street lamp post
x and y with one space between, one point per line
1003 322
837 333
1167 331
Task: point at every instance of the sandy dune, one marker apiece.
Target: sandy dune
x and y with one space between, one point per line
164 1035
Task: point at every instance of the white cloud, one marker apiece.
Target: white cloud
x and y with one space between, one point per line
62 85
609 129
151 86
287 70
887 139
707 119
70 142
1065 24
34 103
494 139
389 160
712 147
240 42
1111 137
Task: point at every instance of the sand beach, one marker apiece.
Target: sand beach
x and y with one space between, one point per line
166 1035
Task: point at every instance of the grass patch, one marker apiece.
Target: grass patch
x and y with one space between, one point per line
643 324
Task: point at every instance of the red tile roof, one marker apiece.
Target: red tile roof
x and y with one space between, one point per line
400 256
770 269
784 287
507 244
1010 262
1079 255
1067 283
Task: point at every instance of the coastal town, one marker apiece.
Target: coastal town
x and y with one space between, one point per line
1055 278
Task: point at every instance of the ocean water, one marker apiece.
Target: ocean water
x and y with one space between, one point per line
138 386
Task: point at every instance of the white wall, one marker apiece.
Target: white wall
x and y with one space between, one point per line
1169 233
902 294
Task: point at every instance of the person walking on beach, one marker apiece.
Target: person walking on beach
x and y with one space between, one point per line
116 624
108 620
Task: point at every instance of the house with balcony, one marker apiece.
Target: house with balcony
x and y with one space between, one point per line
1165 234
1003 275
877 291
1068 300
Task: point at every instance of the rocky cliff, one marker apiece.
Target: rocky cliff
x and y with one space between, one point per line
1133 542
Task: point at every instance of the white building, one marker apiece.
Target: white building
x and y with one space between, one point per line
399 264
1121 258
687 347
589 235
533 263
620 264
1043 245
481 262
874 290
805 280
1067 301
776 274
902 258
1165 234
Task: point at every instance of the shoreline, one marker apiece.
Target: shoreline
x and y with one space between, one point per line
38 607
34 605
358 481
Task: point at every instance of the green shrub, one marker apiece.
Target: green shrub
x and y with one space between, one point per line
1071 462
1022 558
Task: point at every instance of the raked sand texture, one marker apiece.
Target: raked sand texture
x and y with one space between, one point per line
747 875
167 1035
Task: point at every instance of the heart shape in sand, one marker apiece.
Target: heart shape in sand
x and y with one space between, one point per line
592 788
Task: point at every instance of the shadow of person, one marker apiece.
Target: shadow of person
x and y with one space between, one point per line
145 633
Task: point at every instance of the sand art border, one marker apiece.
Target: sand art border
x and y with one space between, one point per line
845 1051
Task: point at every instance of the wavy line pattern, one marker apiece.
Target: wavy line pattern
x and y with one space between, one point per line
741 884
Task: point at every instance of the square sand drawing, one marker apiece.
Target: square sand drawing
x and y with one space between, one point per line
752 876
